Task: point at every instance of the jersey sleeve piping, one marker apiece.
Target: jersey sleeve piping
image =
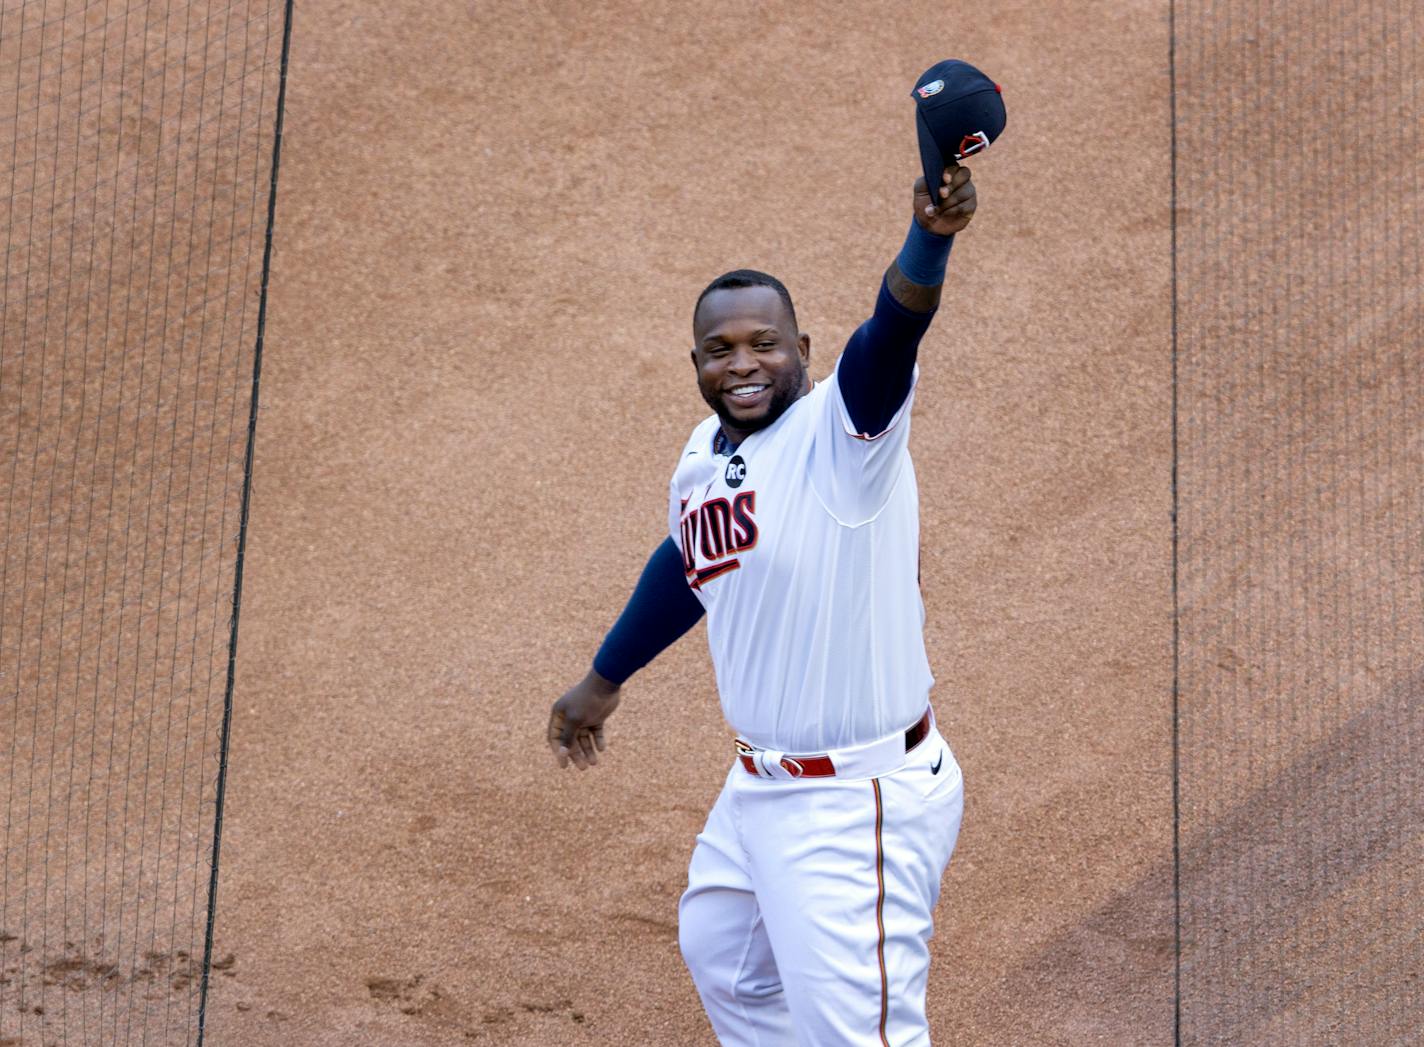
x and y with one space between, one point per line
849 426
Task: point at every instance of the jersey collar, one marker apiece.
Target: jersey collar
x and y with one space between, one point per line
722 444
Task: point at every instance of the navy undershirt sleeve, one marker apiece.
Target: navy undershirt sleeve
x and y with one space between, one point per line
879 363
660 610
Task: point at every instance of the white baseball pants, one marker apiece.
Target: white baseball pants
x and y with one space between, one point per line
810 903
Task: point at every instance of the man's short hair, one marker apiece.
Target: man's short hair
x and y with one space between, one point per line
747 278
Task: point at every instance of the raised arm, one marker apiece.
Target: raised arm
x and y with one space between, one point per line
661 609
877 368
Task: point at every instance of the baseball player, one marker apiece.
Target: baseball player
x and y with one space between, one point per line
794 526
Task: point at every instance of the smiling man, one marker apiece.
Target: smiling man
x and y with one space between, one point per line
794 526
750 357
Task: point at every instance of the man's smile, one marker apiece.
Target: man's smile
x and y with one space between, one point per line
748 393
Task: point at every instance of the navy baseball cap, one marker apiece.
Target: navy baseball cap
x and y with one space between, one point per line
958 112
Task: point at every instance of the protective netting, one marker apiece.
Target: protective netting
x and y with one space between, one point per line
1300 489
135 194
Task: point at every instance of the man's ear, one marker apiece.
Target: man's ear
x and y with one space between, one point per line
693 355
803 343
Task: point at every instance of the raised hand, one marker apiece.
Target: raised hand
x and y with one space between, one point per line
952 206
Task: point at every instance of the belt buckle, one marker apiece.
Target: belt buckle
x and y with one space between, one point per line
760 762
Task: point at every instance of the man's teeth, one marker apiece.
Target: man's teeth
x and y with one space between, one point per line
747 390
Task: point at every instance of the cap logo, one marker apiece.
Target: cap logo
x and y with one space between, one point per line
970 144
930 89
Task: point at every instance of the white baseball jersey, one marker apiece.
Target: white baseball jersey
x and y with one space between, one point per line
803 545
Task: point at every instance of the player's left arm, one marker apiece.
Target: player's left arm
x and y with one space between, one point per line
876 370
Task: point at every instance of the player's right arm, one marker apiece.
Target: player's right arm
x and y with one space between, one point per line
860 447
661 609
876 370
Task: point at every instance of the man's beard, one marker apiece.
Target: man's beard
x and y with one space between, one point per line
785 391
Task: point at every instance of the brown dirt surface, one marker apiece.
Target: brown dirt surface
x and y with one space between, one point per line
137 136
1302 601
493 220
492 225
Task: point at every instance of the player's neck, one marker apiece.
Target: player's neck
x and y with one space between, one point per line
729 438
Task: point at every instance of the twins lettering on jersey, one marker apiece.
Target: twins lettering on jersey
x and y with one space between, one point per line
714 534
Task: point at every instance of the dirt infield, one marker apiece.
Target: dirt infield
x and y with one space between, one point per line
1301 442
492 227
493 220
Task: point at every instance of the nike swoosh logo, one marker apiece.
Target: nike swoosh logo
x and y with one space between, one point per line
938 763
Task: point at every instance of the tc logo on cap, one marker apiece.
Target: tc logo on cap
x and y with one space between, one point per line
970 144
930 89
